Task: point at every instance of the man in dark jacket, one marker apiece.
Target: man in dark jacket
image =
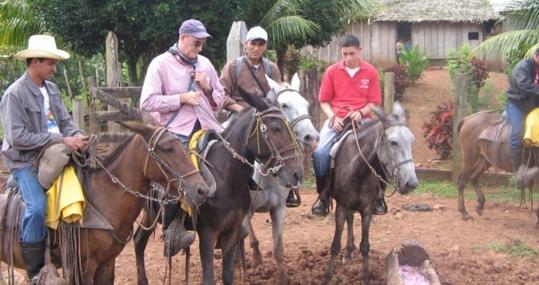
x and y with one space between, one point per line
523 96
33 116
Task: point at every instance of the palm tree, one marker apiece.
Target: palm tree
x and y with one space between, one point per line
17 23
522 23
285 22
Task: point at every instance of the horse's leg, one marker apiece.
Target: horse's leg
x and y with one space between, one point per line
253 241
278 216
470 171
229 241
206 246
140 239
350 246
364 247
89 273
537 214
340 215
481 167
105 273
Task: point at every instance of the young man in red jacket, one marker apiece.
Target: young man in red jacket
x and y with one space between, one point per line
349 88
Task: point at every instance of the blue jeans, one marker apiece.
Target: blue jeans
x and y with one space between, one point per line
516 120
33 227
321 157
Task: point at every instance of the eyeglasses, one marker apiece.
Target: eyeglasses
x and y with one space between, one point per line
198 43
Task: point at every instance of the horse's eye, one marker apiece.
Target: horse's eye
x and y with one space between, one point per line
275 127
167 147
284 105
394 143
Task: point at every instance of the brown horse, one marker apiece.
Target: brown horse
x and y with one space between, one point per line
375 151
260 133
477 155
116 189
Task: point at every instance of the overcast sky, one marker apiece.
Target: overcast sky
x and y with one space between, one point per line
498 5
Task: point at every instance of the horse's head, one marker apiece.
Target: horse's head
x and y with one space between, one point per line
273 143
296 111
163 160
395 149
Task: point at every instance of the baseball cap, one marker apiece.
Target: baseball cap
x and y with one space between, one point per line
194 28
256 33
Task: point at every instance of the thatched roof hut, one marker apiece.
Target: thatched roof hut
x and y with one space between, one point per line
436 26
416 11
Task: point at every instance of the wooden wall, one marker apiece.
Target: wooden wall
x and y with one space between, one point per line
378 40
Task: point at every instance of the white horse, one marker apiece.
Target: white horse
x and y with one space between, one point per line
272 197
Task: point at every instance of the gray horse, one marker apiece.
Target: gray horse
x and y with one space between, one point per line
375 152
272 197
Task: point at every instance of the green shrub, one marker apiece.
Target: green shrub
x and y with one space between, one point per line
307 62
475 70
415 61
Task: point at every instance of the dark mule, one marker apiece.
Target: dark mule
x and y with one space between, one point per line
151 155
262 134
376 148
478 154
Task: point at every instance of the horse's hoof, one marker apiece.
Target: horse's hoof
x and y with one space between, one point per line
467 217
479 210
347 259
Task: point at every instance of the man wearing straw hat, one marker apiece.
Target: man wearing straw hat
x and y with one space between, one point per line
33 117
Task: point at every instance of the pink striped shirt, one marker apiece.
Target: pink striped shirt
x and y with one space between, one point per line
166 78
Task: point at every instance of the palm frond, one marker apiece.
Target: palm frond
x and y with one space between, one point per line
289 28
17 23
527 17
281 8
357 9
504 42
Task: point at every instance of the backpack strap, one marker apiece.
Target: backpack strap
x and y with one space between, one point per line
265 63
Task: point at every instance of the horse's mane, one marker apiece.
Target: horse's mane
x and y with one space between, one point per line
117 151
231 126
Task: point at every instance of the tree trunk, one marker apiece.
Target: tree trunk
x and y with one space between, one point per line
132 69
281 59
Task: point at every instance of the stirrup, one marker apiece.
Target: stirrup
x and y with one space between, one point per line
316 212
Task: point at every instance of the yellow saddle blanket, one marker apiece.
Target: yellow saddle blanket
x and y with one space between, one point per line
65 199
193 147
531 129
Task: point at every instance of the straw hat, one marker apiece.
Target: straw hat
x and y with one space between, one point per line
42 46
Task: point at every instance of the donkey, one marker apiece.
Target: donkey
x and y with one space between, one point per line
260 133
377 149
115 189
273 196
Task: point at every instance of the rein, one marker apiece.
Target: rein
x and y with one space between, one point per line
380 140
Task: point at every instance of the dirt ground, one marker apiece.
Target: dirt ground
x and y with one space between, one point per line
459 249
462 252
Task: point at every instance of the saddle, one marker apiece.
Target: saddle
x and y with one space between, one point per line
199 144
497 132
337 142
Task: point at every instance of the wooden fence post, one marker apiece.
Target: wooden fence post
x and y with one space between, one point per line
93 119
113 71
389 91
460 107
234 41
310 86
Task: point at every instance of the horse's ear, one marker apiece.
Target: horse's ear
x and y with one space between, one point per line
272 84
136 127
296 82
379 113
399 111
253 100
149 119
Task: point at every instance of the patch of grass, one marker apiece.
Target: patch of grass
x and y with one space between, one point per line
309 183
449 190
515 248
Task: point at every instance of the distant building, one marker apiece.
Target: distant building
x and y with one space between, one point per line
435 26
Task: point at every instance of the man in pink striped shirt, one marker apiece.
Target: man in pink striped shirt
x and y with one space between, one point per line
182 89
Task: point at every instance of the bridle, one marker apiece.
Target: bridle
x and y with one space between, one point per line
276 161
168 172
277 158
381 144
